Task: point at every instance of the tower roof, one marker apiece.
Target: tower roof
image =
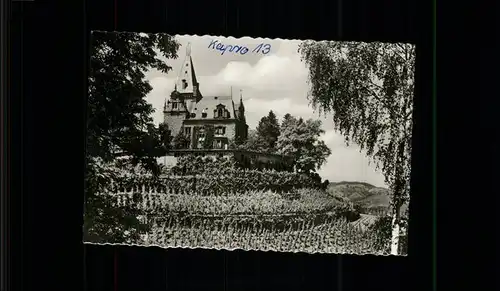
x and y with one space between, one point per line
186 81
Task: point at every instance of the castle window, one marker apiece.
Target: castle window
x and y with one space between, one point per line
220 130
174 105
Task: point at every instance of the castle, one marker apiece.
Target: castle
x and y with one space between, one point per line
189 111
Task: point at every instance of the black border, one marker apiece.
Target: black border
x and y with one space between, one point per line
53 65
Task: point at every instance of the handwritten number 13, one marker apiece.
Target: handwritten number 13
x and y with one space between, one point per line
265 48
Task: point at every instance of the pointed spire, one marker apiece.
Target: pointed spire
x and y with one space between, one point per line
186 80
241 96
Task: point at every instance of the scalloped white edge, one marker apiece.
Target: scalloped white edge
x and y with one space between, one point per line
243 37
240 249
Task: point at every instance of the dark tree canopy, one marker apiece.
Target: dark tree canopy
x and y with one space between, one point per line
269 130
208 141
181 140
253 142
117 112
119 122
368 88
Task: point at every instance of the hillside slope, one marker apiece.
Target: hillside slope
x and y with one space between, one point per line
363 194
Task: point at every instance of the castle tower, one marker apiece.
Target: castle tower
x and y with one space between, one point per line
241 125
186 84
184 97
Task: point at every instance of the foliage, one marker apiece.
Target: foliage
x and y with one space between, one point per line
103 222
209 131
383 230
230 182
368 88
268 130
223 175
181 140
308 202
117 111
148 145
301 140
253 142
195 165
332 236
119 122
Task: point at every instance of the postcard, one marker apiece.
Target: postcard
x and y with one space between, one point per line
249 143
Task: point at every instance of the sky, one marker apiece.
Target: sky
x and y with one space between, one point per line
274 81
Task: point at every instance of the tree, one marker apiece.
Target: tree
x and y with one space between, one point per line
301 140
269 130
253 142
368 88
181 140
209 131
119 122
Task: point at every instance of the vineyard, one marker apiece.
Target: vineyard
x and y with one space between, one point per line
198 205
308 221
334 236
251 203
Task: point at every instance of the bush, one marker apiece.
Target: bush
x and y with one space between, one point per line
102 221
383 230
233 181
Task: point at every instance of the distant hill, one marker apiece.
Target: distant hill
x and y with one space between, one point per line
360 193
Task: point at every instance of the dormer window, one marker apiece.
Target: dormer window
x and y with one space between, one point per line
204 114
193 115
220 112
174 105
184 84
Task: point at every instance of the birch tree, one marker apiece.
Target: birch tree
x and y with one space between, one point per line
368 89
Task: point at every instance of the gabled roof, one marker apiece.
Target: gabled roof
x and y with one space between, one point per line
187 81
210 103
